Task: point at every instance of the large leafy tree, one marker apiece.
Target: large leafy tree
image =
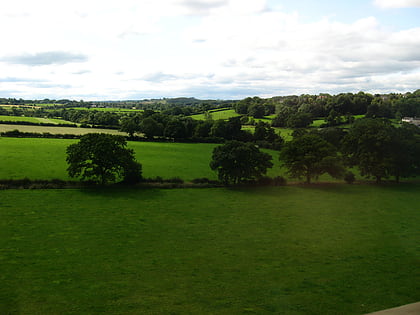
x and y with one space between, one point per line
102 158
236 162
381 150
368 145
310 156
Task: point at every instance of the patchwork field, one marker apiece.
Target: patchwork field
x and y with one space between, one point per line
286 250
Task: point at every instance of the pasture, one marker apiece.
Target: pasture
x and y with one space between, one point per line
108 109
36 158
217 114
336 249
58 130
34 119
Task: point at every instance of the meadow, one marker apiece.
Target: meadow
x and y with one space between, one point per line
36 158
334 249
108 109
34 119
217 114
58 130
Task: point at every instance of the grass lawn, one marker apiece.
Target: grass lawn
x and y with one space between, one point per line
287 250
46 159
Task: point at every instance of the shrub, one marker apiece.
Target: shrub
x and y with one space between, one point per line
279 181
265 181
349 177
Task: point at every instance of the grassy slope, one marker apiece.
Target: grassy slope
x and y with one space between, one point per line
45 159
287 250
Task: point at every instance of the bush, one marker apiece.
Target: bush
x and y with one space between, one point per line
279 181
175 180
265 181
349 177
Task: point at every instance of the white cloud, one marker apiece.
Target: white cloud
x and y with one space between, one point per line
223 48
394 4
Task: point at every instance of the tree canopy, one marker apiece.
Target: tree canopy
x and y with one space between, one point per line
381 150
309 156
102 158
237 162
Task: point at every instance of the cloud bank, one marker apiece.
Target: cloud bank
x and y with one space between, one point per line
45 58
208 49
394 4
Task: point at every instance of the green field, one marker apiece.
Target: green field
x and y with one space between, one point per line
217 114
286 133
19 118
107 109
36 120
58 130
45 159
345 249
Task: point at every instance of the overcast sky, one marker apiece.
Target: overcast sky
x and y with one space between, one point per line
218 49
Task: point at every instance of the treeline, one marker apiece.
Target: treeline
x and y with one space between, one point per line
299 111
375 146
180 128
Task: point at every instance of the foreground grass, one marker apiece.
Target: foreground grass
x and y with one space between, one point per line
36 158
286 250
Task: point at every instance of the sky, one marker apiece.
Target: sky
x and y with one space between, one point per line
208 49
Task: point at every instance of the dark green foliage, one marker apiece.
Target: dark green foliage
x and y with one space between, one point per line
266 137
349 177
130 125
309 156
381 150
332 135
151 127
236 162
299 120
102 158
230 129
257 110
333 118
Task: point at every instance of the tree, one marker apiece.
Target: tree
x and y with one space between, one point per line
151 127
369 145
102 158
405 152
299 120
309 156
130 125
237 162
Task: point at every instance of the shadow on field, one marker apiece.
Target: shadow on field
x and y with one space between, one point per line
113 192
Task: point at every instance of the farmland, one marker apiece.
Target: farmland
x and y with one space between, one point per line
290 250
45 159
57 130
217 114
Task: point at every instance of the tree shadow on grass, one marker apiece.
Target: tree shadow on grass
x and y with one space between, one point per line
127 192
